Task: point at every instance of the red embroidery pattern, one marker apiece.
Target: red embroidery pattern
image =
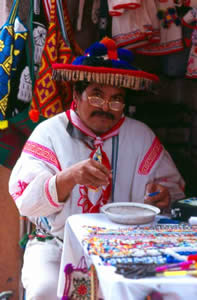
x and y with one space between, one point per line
49 195
164 48
151 157
81 288
21 187
42 153
130 38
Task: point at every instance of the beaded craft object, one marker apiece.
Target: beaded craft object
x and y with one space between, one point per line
136 244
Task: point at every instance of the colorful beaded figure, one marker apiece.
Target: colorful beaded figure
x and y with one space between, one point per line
170 30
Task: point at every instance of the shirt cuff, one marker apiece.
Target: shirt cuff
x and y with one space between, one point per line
51 192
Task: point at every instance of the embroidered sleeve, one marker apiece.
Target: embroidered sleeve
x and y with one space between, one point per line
151 156
156 165
32 183
168 175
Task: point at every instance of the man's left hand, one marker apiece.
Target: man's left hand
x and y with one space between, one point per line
160 199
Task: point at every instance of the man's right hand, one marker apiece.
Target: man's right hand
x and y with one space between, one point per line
87 172
90 173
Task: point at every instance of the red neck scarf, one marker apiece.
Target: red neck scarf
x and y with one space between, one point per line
91 199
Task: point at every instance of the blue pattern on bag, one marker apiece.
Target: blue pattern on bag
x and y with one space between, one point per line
12 41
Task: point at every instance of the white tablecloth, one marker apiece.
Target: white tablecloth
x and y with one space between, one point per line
114 286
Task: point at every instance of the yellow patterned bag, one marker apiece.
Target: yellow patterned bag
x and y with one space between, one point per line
49 98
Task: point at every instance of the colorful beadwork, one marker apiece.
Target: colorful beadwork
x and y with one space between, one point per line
81 289
139 244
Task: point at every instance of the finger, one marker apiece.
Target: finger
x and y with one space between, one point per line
156 196
153 199
151 187
96 178
162 202
101 167
98 174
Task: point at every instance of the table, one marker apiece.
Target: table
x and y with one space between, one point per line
114 286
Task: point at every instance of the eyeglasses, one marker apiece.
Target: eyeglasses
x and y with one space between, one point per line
98 102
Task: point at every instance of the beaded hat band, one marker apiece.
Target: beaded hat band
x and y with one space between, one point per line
103 63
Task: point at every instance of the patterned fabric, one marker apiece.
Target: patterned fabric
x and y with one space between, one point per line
49 97
47 5
13 138
37 26
170 31
78 281
12 41
41 152
52 137
151 157
92 198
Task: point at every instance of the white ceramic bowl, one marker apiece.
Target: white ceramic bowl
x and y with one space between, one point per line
131 213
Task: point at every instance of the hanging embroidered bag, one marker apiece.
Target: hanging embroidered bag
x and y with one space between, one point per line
20 126
50 99
12 41
80 282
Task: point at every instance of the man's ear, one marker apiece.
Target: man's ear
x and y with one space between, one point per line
76 96
75 99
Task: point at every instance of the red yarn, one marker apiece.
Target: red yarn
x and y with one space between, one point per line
34 115
192 257
111 47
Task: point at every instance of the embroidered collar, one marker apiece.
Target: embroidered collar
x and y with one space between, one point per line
74 132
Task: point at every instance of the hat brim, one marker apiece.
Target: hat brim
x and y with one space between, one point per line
131 79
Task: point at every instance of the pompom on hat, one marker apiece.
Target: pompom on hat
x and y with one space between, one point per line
106 64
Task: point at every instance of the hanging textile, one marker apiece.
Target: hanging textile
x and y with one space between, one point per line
37 25
78 281
13 138
134 23
49 97
47 6
12 41
170 30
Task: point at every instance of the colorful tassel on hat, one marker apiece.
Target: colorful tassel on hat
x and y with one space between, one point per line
111 47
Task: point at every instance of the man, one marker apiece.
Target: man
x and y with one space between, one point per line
77 161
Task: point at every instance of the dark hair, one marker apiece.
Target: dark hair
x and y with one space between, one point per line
80 86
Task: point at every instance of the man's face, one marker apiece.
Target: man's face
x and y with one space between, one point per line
103 118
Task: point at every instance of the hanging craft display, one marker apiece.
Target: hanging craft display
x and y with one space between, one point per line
12 41
13 138
170 31
135 26
37 32
50 97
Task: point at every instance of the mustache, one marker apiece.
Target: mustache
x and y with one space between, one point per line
102 114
